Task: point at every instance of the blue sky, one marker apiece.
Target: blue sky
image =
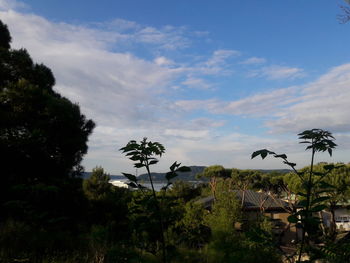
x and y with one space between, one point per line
212 81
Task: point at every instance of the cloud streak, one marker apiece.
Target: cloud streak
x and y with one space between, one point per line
254 61
322 103
275 72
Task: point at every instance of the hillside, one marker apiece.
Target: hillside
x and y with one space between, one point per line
187 176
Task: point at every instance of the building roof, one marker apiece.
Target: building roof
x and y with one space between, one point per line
252 201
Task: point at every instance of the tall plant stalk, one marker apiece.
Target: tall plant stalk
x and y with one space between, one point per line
318 141
143 154
160 217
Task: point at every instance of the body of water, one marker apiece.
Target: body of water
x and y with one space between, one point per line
122 183
157 186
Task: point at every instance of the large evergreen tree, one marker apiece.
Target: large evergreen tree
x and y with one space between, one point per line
43 135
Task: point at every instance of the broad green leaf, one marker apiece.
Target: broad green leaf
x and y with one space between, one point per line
132 153
135 158
302 194
325 185
170 175
329 167
263 153
302 203
139 165
330 151
318 208
130 177
153 162
283 156
173 166
289 163
132 184
293 219
183 169
320 199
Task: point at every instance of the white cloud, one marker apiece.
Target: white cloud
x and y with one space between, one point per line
104 83
211 105
220 55
186 134
253 61
168 37
257 105
262 104
323 103
275 72
12 4
163 61
217 64
196 83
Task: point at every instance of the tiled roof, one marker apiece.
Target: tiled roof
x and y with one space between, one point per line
252 200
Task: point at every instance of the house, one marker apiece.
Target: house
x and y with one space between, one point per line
341 216
256 204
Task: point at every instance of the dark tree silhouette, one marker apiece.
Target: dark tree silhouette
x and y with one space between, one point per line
42 133
43 136
5 37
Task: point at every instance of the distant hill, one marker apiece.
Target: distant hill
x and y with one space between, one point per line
187 176
113 177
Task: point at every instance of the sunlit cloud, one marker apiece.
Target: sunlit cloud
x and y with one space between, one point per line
253 61
322 103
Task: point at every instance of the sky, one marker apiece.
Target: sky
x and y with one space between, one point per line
213 81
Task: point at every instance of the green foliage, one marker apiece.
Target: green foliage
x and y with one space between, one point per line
144 155
214 171
97 186
43 134
5 37
226 210
185 191
336 252
191 229
44 137
245 179
311 185
272 182
229 245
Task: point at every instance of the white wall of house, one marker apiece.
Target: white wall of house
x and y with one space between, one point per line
342 218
